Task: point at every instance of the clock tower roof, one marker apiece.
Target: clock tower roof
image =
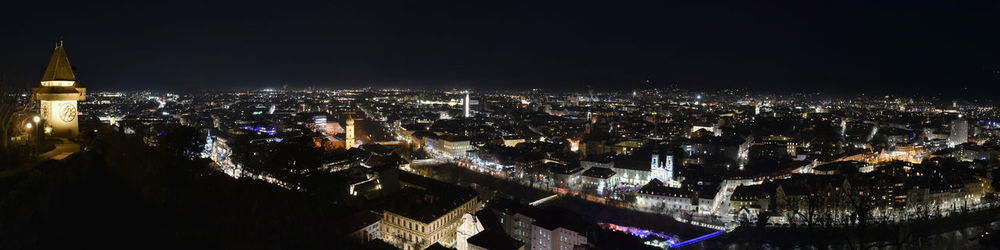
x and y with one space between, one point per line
59 68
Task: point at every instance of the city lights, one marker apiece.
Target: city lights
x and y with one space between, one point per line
499 125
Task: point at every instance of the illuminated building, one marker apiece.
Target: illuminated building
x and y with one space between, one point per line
566 176
209 146
711 128
349 141
425 216
632 170
470 226
662 167
319 122
452 146
549 233
599 178
466 103
959 132
58 94
513 141
656 196
746 202
574 145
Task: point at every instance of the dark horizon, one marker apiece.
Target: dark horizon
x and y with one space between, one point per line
931 49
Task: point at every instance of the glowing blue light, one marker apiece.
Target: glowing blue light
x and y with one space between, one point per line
696 240
262 129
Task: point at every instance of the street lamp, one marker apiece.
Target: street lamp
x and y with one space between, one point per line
27 125
36 119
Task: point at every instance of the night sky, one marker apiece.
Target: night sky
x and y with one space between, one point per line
837 46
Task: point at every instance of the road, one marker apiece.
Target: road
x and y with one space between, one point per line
63 148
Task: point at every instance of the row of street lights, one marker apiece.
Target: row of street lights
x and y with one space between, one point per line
34 122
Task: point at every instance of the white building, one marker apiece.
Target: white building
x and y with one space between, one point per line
662 167
959 132
454 146
545 236
319 122
598 178
639 171
470 226
658 197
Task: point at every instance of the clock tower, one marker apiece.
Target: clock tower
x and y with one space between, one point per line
58 93
349 141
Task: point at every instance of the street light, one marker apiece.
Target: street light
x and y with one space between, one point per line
36 119
27 125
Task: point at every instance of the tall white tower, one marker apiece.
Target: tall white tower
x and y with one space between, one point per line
58 93
466 102
843 127
959 132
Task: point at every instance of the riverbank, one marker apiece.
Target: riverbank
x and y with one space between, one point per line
930 233
623 216
588 209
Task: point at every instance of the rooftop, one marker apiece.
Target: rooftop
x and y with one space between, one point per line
424 199
494 239
599 172
59 68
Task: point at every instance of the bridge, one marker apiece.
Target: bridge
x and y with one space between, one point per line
671 242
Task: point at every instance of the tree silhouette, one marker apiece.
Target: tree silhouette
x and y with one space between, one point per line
13 116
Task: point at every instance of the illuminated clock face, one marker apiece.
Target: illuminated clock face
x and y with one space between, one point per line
68 112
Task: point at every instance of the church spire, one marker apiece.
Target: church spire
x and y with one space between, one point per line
59 68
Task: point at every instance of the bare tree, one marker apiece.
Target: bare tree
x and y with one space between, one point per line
861 201
13 115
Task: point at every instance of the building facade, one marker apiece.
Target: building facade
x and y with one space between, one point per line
433 217
544 237
411 233
959 132
455 147
470 226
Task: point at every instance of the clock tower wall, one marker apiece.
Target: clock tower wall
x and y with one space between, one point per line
61 116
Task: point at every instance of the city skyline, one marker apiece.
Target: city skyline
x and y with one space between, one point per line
504 126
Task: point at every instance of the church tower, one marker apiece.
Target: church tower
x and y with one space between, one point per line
58 93
349 133
662 168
